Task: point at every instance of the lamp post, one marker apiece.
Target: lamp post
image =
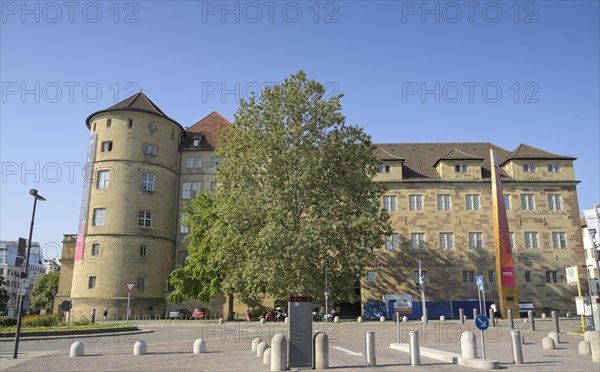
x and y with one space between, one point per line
36 197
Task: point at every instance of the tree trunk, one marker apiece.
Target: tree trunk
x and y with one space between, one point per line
230 307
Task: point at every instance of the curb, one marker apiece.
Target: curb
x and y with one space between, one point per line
75 335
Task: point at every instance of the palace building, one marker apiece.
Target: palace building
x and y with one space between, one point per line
145 166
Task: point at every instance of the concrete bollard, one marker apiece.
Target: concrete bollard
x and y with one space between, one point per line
468 345
568 315
321 348
76 349
517 350
531 319
404 319
382 319
260 349
220 320
336 319
548 343
554 336
511 321
584 348
139 348
595 345
544 315
199 346
492 318
285 320
370 349
461 315
359 319
255 343
262 320
267 356
278 353
414 347
475 313
442 318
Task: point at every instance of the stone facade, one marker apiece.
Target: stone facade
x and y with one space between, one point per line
136 139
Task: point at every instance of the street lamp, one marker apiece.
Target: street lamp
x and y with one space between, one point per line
36 197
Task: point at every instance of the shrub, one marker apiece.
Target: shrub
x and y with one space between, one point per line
81 322
47 320
8 321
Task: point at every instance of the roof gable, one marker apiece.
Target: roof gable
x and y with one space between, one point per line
526 152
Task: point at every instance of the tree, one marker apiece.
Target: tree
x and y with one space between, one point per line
296 197
43 292
4 296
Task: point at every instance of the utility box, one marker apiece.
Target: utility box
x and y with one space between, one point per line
300 336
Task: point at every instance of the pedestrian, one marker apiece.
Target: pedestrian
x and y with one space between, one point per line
104 314
93 315
494 309
248 314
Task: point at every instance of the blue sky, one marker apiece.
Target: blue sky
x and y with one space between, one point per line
502 72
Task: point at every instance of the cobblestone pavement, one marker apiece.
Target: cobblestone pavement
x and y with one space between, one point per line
229 348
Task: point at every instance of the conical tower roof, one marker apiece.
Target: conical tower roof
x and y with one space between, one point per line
139 102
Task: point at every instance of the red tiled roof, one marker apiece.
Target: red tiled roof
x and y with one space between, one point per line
207 130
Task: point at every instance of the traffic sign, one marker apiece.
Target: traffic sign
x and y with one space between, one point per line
130 286
481 287
66 306
479 280
24 283
482 322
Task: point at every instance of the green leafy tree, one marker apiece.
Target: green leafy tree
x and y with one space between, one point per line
3 296
43 292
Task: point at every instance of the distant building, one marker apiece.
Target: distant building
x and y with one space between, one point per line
590 251
12 273
51 266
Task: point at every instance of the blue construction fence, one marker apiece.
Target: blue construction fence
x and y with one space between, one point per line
435 309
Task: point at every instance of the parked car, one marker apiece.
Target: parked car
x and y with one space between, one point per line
524 307
180 314
201 313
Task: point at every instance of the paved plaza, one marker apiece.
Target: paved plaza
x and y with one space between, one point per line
229 347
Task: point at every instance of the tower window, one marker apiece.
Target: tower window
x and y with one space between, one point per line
99 217
108 123
150 149
147 182
130 123
140 283
91 282
95 249
143 250
106 146
145 219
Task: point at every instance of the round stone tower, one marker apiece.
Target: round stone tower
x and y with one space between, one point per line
127 228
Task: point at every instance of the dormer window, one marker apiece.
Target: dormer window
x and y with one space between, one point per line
529 168
553 168
196 142
384 169
460 168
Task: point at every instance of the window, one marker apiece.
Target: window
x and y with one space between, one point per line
415 202
130 123
143 250
472 202
193 162
150 149
476 240
384 168
446 240
552 277
95 249
417 240
443 202
108 123
391 241
91 282
468 276
389 203
511 236
147 182
507 202
103 178
371 276
196 142
554 168
554 203
531 239
460 168
527 276
214 163
527 202
106 146
213 186
190 190
491 276
140 283
183 228
99 217
559 240
145 219
529 168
